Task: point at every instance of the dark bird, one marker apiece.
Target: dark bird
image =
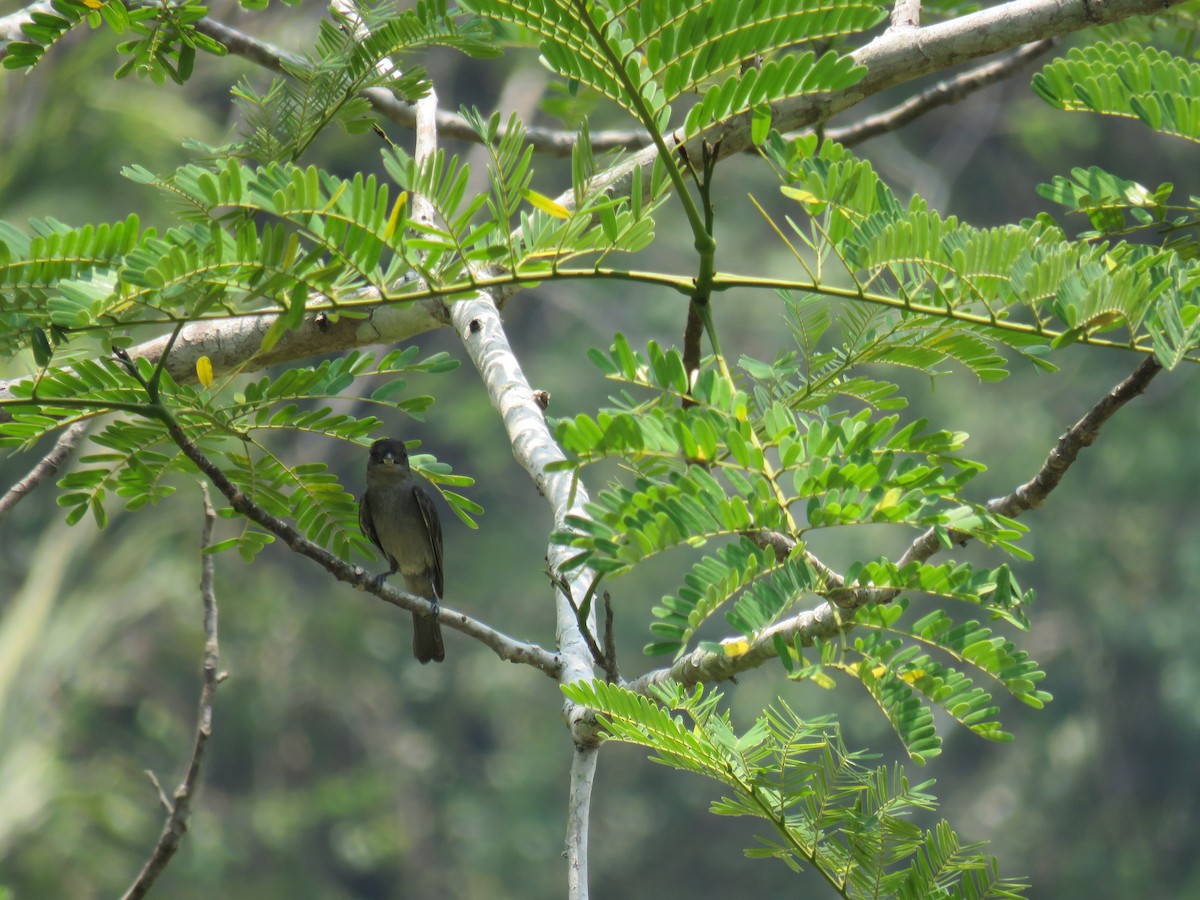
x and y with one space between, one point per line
400 519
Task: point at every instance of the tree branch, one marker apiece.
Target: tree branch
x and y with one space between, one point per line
704 667
1082 434
179 811
477 322
579 813
906 14
503 646
899 56
10 25
951 90
47 467
834 615
549 141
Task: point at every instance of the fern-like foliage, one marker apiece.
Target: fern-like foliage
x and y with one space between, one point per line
1129 80
1157 88
279 238
1112 204
164 46
825 809
1116 206
742 475
328 237
54 277
283 238
821 369
1025 286
900 668
231 423
327 85
645 56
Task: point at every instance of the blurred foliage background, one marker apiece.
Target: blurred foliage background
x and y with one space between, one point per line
340 768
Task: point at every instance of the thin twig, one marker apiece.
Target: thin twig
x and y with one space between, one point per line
1082 434
46 467
945 92
179 810
163 800
593 648
611 672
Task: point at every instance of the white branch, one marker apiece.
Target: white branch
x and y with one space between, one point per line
705 667
482 333
479 327
906 14
579 814
10 25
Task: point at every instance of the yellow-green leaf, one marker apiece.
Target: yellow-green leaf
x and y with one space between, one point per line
889 499
204 371
735 646
801 195
822 680
393 221
546 205
337 195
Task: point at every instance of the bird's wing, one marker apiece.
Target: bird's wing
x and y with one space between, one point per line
433 527
367 526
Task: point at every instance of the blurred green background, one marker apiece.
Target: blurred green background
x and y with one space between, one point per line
339 768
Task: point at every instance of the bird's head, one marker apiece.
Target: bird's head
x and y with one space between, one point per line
387 456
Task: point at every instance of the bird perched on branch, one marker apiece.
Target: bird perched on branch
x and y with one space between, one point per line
400 519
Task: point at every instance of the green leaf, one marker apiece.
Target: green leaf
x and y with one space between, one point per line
760 123
795 776
1128 80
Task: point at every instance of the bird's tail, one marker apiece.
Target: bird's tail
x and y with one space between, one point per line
427 639
427 633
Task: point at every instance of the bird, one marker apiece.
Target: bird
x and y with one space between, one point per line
399 518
